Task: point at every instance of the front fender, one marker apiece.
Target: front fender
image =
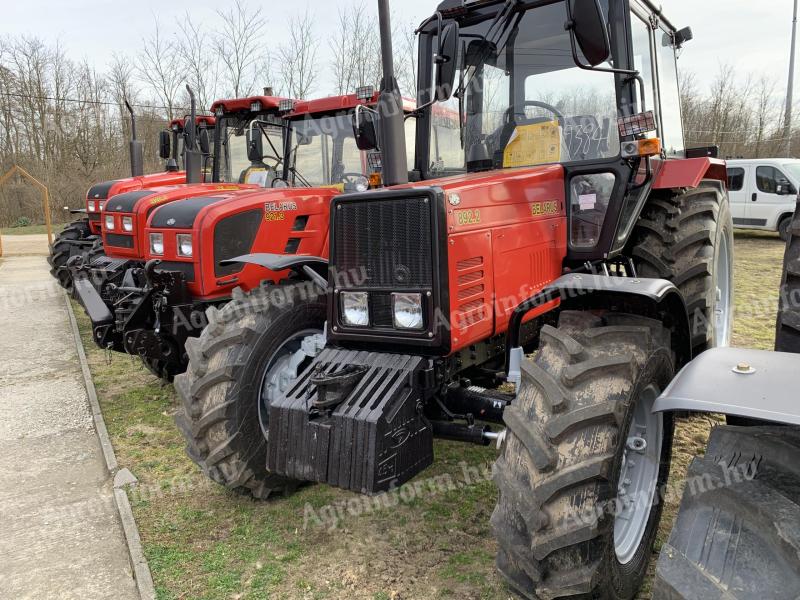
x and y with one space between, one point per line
754 384
311 267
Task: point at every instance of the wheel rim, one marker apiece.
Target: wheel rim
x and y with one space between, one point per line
284 364
724 298
638 479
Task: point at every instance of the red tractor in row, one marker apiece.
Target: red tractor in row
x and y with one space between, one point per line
560 216
162 276
83 236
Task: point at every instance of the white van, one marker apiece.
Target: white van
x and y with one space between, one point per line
763 193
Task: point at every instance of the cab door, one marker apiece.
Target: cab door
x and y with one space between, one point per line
771 190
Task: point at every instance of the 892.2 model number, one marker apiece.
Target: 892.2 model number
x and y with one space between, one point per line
468 217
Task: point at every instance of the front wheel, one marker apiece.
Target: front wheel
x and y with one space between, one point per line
584 459
64 247
252 349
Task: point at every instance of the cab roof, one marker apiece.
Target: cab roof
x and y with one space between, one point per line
207 120
339 103
244 104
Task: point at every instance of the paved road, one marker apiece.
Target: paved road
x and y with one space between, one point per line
60 535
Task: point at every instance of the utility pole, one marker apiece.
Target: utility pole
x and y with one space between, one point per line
787 127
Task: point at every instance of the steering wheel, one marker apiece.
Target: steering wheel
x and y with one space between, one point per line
538 104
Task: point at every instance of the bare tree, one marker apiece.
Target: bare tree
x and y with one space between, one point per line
298 57
160 68
202 67
238 45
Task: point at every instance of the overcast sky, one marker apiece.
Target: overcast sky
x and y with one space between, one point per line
752 35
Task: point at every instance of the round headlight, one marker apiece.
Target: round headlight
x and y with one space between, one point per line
357 184
407 311
110 222
156 243
127 224
355 309
279 183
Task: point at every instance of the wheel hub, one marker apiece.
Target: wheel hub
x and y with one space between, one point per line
284 366
638 477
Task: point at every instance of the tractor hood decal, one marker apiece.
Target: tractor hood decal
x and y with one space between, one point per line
181 215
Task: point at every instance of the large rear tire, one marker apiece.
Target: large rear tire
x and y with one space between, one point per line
737 534
688 239
234 365
63 248
573 456
788 335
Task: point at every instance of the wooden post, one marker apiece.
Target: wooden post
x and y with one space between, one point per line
45 198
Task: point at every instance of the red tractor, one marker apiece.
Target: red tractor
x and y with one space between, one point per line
82 237
564 216
151 310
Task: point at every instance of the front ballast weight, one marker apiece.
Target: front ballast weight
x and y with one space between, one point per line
353 420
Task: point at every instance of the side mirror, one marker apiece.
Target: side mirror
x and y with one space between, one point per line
165 145
588 25
364 130
446 62
683 36
255 145
205 141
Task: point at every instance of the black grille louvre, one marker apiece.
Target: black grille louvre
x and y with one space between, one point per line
389 241
119 241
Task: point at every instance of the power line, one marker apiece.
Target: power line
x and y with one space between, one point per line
86 101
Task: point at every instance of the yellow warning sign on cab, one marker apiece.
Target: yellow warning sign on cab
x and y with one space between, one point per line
536 144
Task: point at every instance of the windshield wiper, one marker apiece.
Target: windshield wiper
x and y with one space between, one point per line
497 29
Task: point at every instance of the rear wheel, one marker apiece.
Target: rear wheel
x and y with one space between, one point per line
688 239
584 458
737 534
63 248
788 334
251 350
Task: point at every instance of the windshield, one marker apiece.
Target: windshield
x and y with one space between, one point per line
793 168
324 151
524 102
235 167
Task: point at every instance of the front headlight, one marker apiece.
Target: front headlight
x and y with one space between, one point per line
157 244
110 222
92 206
185 245
355 308
127 224
407 311
100 206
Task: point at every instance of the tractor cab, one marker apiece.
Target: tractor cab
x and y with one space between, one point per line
172 141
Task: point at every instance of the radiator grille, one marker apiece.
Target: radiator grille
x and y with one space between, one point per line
119 241
390 240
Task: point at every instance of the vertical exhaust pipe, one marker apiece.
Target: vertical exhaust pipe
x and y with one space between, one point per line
136 148
390 108
193 158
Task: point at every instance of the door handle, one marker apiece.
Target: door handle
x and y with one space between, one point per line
755 197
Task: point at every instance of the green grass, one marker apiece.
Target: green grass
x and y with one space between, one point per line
203 542
31 230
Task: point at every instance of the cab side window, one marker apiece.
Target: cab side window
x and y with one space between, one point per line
671 121
770 180
735 179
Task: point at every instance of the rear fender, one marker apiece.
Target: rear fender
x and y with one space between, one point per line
754 384
690 173
312 268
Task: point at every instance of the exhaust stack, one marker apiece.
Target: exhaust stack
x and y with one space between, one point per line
193 158
390 108
136 148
